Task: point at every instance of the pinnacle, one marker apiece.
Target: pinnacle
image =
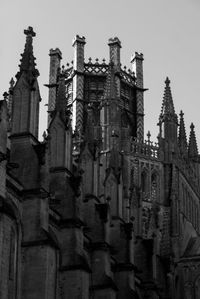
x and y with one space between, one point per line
29 32
182 138
167 81
168 105
192 148
28 60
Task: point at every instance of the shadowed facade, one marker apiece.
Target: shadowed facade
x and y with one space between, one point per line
95 211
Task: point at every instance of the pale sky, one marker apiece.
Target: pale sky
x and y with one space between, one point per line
166 32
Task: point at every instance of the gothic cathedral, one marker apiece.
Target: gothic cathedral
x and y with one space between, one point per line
94 211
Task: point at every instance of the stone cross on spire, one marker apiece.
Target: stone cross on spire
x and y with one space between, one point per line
28 60
29 32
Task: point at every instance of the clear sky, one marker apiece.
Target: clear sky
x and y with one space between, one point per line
166 32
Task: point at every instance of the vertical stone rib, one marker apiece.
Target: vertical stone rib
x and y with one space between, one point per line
137 65
78 83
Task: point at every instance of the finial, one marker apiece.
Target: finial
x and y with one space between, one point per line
167 81
5 95
192 126
28 60
181 114
148 136
29 32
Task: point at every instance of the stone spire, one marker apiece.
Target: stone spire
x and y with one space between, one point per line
167 110
192 147
27 62
168 123
182 138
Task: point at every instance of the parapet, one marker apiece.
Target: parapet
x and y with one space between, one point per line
114 41
78 39
57 52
